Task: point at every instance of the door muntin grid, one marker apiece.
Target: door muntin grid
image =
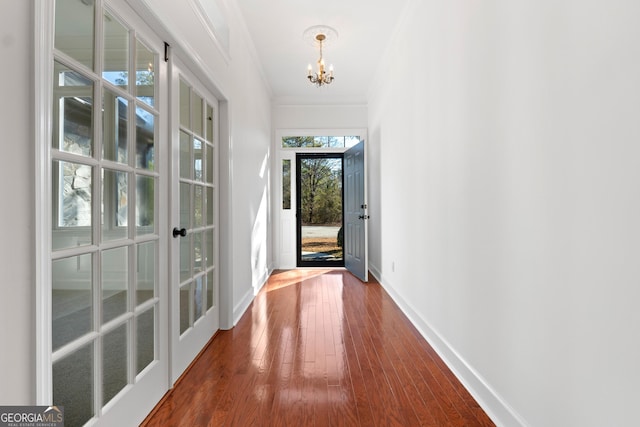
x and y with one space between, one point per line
197 172
104 254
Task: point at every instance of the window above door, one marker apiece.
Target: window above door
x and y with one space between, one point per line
315 142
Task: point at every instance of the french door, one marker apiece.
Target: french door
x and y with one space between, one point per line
105 342
194 281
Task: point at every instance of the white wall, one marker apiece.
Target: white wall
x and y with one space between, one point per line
507 144
319 116
17 287
251 135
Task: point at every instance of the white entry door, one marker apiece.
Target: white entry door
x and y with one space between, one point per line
355 212
194 218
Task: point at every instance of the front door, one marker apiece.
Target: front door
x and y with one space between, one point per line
355 207
194 224
319 210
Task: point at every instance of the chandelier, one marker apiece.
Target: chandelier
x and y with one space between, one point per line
320 77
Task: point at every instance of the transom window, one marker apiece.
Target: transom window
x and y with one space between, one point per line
320 141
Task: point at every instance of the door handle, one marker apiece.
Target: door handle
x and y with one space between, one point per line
179 232
363 217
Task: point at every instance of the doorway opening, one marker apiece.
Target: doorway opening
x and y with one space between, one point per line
319 210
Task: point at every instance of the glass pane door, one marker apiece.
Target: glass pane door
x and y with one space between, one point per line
105 269
319 210
195 281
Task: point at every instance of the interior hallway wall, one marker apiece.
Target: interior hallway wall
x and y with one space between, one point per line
319 116
506 139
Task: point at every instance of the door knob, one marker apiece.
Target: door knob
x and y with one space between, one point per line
179 232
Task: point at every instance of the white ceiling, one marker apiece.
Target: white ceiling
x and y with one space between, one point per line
364 28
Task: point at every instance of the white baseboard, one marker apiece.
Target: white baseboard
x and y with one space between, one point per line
375 272
242 306
248 297
259 284
495 407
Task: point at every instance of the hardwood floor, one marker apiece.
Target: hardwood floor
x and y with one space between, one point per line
319 348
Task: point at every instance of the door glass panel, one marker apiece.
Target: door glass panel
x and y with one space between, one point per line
197 159
185 300
185 205
185 155
114 204
73 386
198 295
73 111
209 117
320 220
74 28
115 119
115 273
116 52
209 163
185 103
72 304
145 74
196 113
114 362
210 202
72 194
211 302
77 132
197 208
209 248
197 252
145 136
185 257
145 346
145 205
146 272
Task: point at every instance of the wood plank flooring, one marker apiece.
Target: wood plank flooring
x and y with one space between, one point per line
319 348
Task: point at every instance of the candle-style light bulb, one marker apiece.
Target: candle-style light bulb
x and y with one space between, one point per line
331 70
309 70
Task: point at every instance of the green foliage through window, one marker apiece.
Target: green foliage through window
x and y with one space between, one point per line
321 187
